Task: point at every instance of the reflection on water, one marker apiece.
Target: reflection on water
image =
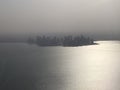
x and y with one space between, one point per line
29 67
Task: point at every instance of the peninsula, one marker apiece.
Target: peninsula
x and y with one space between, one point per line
62 41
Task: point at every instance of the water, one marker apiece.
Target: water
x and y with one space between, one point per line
30 67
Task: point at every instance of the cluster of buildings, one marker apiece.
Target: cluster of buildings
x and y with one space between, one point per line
62 41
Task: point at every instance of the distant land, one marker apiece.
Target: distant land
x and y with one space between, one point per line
61 41
16 38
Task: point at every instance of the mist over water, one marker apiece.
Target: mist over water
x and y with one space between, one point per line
30 67
97 18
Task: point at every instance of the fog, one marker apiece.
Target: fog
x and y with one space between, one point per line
98 18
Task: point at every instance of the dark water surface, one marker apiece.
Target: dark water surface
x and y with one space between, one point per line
30 67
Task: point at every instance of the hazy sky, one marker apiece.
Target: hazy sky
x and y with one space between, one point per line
84 16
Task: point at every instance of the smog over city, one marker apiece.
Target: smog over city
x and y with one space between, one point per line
59 44
96 18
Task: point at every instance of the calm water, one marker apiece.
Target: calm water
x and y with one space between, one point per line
29 67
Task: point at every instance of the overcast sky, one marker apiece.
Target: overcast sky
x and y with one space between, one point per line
40 16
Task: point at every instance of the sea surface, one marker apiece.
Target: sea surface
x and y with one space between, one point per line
30 67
